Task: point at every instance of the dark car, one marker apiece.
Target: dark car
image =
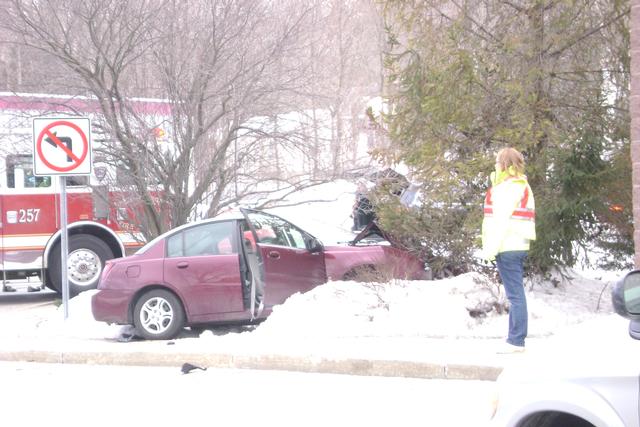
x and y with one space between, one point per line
232 268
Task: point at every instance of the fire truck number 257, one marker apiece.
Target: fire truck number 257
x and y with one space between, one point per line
23 216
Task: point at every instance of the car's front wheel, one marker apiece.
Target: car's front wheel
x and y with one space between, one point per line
158 315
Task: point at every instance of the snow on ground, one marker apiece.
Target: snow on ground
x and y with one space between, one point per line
398 309
409 309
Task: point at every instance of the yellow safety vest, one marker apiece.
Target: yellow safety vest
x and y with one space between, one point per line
509 217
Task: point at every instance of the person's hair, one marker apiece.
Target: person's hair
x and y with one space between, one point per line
510 157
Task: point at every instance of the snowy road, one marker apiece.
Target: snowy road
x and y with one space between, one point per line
18 305
80 395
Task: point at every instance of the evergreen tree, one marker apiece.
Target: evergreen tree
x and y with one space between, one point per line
547 77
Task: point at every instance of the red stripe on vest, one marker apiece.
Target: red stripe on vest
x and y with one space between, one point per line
518 213
525 198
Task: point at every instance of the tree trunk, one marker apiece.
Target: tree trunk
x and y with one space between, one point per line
541 114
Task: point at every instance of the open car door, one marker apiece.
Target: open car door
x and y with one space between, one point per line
254 273
292 259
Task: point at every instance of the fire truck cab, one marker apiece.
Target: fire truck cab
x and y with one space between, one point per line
30 231
98 217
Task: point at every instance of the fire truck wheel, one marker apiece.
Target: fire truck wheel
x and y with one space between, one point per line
158 315
87 255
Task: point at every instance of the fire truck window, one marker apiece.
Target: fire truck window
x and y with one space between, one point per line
124 177
77 181
20 173
32 181
122 214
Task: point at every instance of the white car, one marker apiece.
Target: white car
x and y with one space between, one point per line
589 378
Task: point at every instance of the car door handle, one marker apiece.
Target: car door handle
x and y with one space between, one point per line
274 254
182 264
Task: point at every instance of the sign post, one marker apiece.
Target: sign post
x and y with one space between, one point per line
64 246
61 146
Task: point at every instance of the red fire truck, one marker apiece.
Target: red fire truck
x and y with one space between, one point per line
100 224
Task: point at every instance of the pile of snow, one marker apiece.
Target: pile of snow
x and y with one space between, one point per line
431 309
397 309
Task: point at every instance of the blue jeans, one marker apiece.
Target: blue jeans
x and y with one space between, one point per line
511 269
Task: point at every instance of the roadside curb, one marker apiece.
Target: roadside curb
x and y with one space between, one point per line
348 366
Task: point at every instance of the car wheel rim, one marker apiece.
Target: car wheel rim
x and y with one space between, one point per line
84 267
156 315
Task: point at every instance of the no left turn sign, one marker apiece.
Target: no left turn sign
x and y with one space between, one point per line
61 146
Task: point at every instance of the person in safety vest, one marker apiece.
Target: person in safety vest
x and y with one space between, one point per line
507 229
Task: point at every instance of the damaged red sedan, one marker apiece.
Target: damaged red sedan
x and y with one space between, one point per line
232 268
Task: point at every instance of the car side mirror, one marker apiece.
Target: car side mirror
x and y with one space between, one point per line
314 245
626 301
